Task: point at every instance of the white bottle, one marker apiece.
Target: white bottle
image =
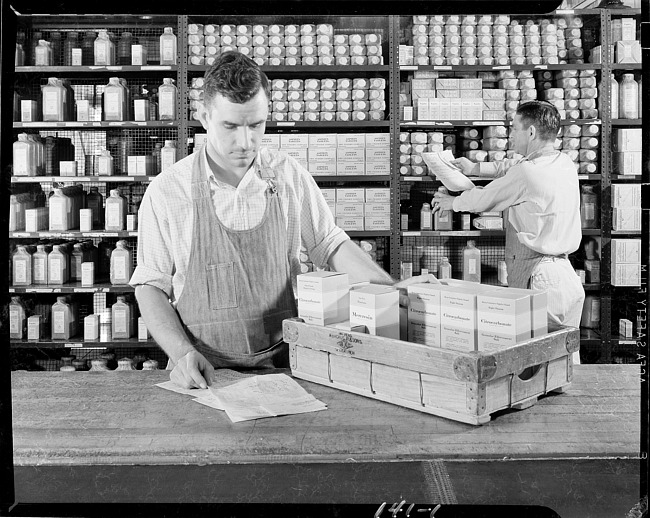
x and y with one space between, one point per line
103 49
628 98
444 269
43 54
614 97
168 155
167 100
115 211
168 47
471 262
426 218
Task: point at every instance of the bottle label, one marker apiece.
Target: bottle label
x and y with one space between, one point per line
20 161
444 216
56 212
168 49
39 270
112 104
166 105
51 103
445 272
589 211
425 220
55 269
119 268
120 321
14 321
20 270
113 214
58 322
100 54
405 222
595 310
471 266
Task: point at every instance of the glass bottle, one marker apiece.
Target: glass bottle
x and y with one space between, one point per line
58 271
103 49
17 319
444 268
168 47
43 54
471 262
22 266
426 219
442 219
168 155
55 44
88 48
71 42
123 321
36 37
628 98
40 265
124 49
589 213
77 258
157 157
115 213
62 326
121 267
20 55
95 201
167 100
114 100
54 100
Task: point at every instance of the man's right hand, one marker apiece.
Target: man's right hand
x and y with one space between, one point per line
465 165
192 371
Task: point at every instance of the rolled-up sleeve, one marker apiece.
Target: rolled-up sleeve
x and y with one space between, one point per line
155 263
498 195
319 233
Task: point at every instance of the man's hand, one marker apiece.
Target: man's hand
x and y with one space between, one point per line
442 201
192 371
465 165
402 285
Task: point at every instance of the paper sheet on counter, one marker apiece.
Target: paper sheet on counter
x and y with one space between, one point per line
451 176
246 396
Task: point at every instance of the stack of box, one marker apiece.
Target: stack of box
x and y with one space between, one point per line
323 297
627 47
356 208
335 153
626 262
377 308
626 207
626 144
305 44
412 145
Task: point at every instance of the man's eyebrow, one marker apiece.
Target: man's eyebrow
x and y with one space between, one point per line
226 122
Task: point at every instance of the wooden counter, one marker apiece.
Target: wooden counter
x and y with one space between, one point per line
121 422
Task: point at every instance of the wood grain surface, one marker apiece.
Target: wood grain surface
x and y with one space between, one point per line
121 418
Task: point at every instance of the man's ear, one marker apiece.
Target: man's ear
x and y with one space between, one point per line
203 114
532 131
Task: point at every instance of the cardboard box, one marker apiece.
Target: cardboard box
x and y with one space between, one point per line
472 109
592 271
458 326
625 328
377 223
271 141
322 140
350 168
346 326
628 52
87 274
323 297
626 219
329 194
143 332
138 55
447 84
627 139
29 111
34 327
294 141
626 251
36 219
298 154
377 140
495 94
91 327
627 163
377 308
350 210
322 168
377 195
503 319
350 224
322 154
351 195
351 140
422 109
626 275
141 110
424 314
626 195
380 210
68 168
470 84
83 110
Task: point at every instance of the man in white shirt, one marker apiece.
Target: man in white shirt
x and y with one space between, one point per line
542 196
220 235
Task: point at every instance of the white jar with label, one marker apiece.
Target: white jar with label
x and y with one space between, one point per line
167 93
121 267
168 155
168 47
628 98
115 212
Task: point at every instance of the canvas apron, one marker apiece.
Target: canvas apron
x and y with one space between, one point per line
521 260
238 286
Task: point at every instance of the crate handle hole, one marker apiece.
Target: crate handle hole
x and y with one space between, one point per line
529 372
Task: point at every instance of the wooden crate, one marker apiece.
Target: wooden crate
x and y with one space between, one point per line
458 385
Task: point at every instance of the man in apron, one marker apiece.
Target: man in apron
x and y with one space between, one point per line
541 194
220 233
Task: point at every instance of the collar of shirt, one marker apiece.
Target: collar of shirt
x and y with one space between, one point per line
545 151
246 179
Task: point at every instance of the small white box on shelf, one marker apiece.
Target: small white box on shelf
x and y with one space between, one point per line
377 308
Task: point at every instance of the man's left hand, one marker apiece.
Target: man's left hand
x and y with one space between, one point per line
442 201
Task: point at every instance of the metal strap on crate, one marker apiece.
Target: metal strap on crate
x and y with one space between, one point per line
421 390
371 389
329 368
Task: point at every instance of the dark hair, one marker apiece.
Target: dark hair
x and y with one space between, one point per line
235 76
543 115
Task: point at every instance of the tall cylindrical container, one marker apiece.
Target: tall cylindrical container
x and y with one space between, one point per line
168 47
115 213
628 98
471 262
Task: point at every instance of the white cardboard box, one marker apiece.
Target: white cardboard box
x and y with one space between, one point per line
348 167
627 139
377 195
377 308
626 275
350 210
626 219
351 195
353 140
319 168
322 140
270 140
294 140
350 224
628 162
371 210
323 297
377 223
381 140
424 314
626 195
503 319
626 251
458 329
